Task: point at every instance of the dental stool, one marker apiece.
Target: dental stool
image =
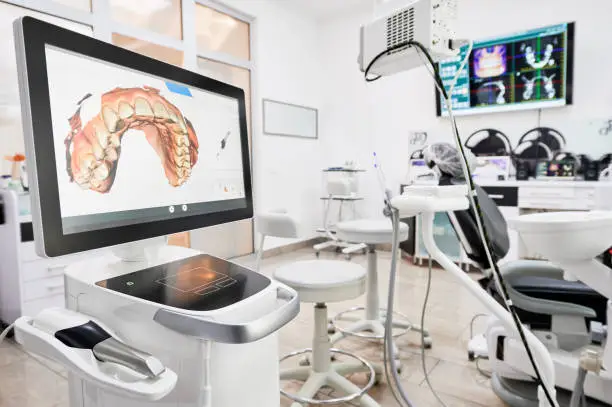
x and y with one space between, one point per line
371 326
321 282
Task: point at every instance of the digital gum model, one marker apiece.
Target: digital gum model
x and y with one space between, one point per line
93 148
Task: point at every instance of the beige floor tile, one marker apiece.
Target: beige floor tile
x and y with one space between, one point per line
27 383
10 353
463 382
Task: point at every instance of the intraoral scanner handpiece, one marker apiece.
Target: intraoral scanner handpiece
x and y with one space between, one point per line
79 331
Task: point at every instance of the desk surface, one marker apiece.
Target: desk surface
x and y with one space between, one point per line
541 183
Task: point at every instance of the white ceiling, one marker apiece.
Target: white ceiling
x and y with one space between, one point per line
326 9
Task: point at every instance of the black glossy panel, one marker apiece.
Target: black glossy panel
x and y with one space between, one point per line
199 283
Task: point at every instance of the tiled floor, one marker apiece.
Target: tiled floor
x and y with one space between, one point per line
450 311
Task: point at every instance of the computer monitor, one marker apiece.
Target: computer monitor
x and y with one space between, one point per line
532 69
121 147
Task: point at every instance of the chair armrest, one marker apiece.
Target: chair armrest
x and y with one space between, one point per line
533 268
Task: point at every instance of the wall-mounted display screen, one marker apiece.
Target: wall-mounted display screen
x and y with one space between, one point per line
526 70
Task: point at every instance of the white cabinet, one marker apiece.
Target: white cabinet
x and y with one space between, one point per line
28 283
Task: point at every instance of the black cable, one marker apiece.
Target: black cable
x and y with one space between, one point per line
477 209
509 306
405 44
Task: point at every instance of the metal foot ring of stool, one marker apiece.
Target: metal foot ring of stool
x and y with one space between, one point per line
346 332
345 399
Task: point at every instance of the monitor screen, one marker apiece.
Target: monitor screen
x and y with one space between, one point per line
131 147
526 70
121 147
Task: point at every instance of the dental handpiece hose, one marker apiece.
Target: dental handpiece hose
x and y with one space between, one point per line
392 374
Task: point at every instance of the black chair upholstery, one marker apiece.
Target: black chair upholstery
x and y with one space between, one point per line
574 292
494 224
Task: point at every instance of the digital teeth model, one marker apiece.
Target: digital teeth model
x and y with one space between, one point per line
549 87
530 56
490 61
93 146
484 92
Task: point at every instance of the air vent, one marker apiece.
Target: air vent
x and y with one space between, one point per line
400 28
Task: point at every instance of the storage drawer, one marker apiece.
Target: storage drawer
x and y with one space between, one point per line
32 308
503 196
547 192
40 269
27 252
47 287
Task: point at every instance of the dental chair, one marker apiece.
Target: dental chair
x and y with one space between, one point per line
558 308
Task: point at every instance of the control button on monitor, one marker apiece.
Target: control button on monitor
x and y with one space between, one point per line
171 209
184 207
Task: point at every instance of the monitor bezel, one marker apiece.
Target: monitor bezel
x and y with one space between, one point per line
517 107
50 239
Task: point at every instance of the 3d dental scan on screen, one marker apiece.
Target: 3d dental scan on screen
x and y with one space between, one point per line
160 248
129 133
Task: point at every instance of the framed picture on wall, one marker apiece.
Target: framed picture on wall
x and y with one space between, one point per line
286 119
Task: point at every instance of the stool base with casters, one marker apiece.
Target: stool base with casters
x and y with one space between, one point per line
371 325
324 373
320 282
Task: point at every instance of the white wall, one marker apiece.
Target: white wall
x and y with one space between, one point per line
359 119
287 171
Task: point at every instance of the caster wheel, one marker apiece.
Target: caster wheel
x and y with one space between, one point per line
338 249
399 370
304 361
333 358
471 356
427 343
331 330
378 379
347 257
364 251
317 254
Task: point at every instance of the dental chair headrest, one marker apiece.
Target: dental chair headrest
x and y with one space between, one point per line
494 224
447 160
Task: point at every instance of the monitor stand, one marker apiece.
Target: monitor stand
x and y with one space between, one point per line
134 252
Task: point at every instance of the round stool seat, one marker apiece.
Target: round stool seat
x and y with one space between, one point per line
322 281
369 231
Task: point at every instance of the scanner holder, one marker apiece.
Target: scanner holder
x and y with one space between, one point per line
35 336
